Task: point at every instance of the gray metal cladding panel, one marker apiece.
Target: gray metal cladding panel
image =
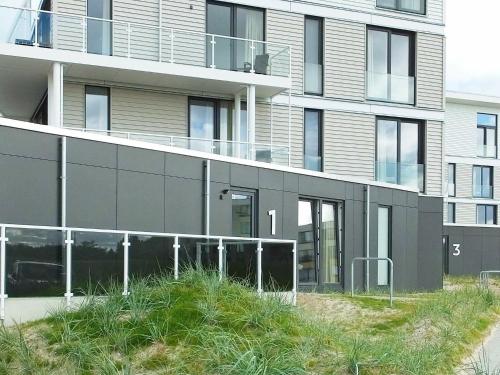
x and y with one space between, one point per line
30 144
290 215
471 251
398 246
219 171
430 204
321 187
141 201
270 200
412 199
183 166
91 196
291 182
99 154
141 160
29 191
411 243
184 205
359 192
269 179
399 197
244 176
430 254
220 210
383 196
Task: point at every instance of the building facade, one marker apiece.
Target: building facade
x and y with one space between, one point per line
344 91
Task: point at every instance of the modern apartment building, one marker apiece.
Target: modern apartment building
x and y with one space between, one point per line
314 121
472 191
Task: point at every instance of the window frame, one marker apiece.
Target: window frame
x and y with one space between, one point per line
320 113
321 43
254 209
398 8
422 144
481 167
486 206
108 90
454 218
484 129
412 64
454 166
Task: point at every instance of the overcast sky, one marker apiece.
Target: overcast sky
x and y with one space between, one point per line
473 46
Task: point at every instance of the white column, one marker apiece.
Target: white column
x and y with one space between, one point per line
237 124
55 95
251 117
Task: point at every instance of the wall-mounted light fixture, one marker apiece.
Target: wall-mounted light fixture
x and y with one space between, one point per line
222 193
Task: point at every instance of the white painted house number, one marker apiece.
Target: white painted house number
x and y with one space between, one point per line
456 249
272 213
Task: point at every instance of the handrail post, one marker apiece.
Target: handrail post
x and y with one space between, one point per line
259 267
84 36
367 260
213 51
171 46
129 32
37 17
252 56
126 245
294 290
160 36
3 296
176 258
391 286
69 242
220 248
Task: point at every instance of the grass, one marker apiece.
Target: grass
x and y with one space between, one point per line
200 325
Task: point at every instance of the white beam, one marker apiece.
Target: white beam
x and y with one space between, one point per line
251 114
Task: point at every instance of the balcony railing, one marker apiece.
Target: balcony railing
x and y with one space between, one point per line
482 191
487 151
390 87
144 42
267 153
411 175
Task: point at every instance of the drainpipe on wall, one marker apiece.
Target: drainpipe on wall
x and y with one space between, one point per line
63 181
207 197
367 275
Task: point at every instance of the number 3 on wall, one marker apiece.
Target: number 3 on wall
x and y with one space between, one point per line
456 249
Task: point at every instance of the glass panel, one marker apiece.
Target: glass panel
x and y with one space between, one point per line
150 256
306 244
400 68
387 151
194 252
225 129
486 182
481 214
313 56
387 3
490 215
277 267
312 140
409 154
97 108
201 124
241 261
451 212
383 245
329 257
249 25
219 23
99 31
451 180
486 120
44 30
97 261
414 6
242 214
476 181
35 263
378 64
491 141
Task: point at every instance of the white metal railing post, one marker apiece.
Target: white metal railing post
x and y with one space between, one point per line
3 276
129 32
220 248
259 267
294 290
69 242
252 56
126 245
37 17
171 46
213 51
176 258
377 259
84 34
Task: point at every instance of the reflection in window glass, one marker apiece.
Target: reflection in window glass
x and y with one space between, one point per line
482 180
486 214
387 151
277 267
35 263
201 124
384 243
313 56
307 252
196 252
97 261
312 140
241 261
486 135
329 257
97 108
451 213
242 214
413 6
99 30
150 256
451 180
378 45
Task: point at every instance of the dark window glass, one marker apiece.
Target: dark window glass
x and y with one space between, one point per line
486 135
390 66
97 261
482 181
219 23
400 152
242 214
412 6
151 256
307 248
313 140
99 29
486 214
451 180
451 212
35 263
313 56
277 267
241 261
97 108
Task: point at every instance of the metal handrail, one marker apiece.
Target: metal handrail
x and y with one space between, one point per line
391 276
484 278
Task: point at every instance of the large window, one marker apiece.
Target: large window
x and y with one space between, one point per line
245 23
99 27
486 135
452 188
313 149
243 203
400 152
97 108
313 56
486 214
482 181
412 6
384 244
391 66
451 213
319 242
